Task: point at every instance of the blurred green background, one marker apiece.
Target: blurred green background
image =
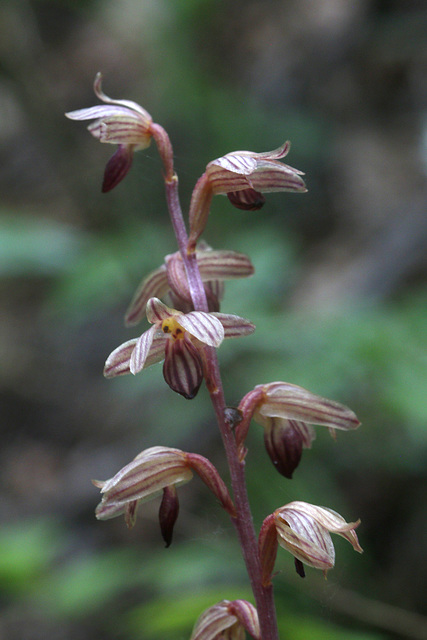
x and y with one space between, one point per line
339 299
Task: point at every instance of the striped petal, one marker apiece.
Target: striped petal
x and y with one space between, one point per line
121 129
143 479
284 441
305 541
276 154
234 326
182 368
303 529
144 348
275 176
98 112
227 620
213 622
246 199
243 163
223 265
154 285
224 181
284 400
118 362
329 519
157 311
206 327
117 167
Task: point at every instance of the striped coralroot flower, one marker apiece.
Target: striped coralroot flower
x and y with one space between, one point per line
170 280
304 530
121 122
227 619
178 339
287 413
156 471
243 176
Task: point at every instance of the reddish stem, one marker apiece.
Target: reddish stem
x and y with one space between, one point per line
243 522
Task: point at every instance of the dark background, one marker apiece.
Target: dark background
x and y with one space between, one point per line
339 300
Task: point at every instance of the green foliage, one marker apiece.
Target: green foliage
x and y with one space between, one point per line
26 550
31 245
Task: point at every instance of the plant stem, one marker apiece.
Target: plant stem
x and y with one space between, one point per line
243 522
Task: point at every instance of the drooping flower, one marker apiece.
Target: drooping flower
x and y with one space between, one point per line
121 122
304 530
287 413
243 176
170 280
178 339
155 471
227 620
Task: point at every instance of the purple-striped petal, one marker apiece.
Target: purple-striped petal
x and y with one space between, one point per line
98 112
143 347
223 265
204 326
182 368
305 541
157 311
121 130
246 199
118 362
117 167
285 400
284 441
235 162
234 326
143 479
154 285
276 154
303 529
275 176
213 622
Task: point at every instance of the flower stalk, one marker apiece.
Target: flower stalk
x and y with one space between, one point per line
242 522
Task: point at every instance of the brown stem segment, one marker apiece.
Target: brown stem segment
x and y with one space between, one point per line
242 522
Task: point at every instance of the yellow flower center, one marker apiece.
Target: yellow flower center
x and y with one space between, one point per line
172 327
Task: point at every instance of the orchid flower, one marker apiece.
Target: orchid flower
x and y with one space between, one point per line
304 530
121 122
287 413
170 280
227 620
243 176
155 471
178 339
